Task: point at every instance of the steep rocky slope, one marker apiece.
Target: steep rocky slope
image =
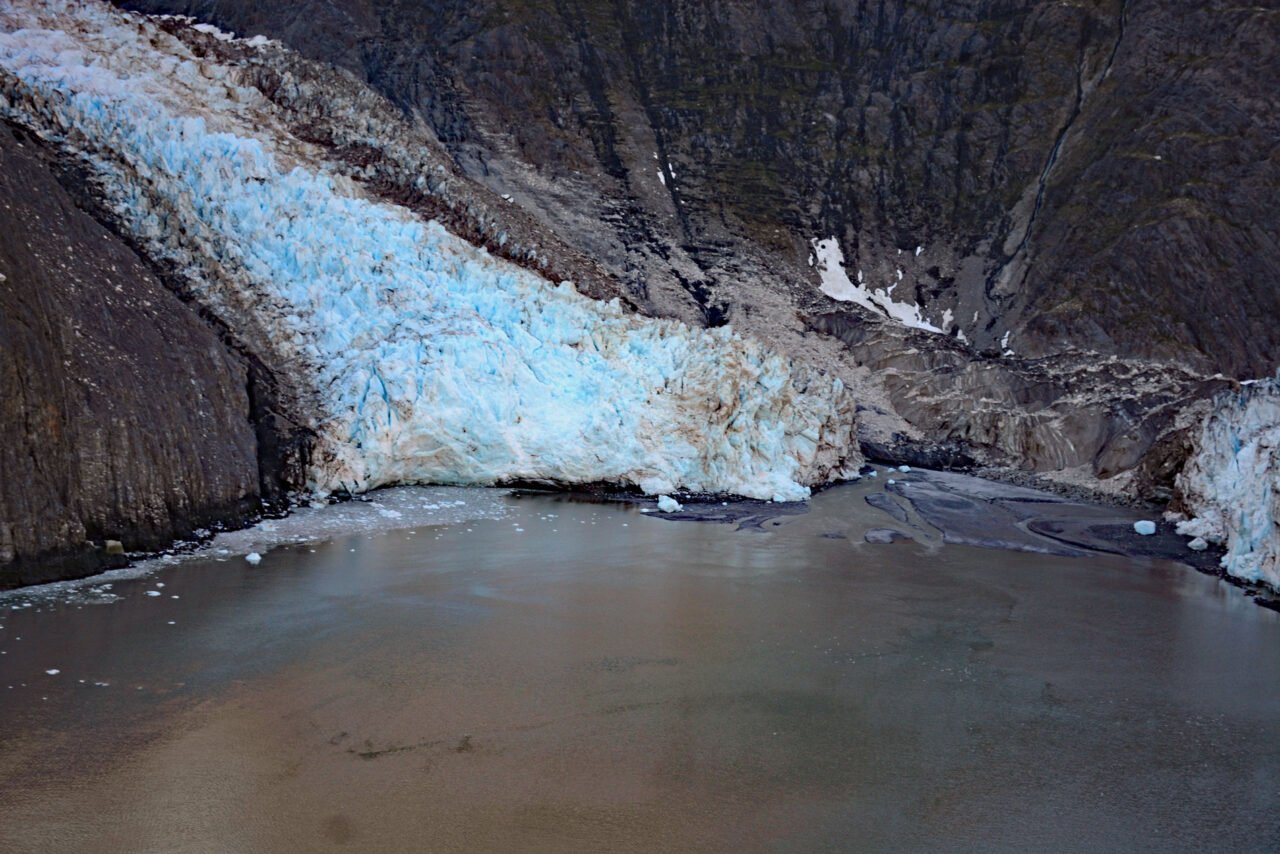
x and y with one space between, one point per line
125 415
1090 175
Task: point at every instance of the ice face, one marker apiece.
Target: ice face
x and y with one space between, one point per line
430 360
1231 484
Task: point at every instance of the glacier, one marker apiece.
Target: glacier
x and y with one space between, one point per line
423 358
1231 484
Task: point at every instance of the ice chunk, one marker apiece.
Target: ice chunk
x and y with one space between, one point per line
1146 527
1199 544
904 469
53 671
253 557
667 504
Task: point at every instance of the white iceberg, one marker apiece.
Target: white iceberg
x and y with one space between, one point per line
667 504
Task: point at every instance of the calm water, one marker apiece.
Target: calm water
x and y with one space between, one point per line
585 677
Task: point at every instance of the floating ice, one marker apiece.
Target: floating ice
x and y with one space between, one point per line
53 671
904 469
253 557
1146 527
426 360
1199 544
153 592
667 504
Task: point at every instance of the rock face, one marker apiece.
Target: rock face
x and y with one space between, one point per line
125 416
1095 175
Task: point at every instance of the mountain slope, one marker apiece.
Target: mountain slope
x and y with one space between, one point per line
1090 175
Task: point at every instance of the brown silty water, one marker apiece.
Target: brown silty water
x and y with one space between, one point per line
580 676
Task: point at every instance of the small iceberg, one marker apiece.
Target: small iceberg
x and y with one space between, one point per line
1146 527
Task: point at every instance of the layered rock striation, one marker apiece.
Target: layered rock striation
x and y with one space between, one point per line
125 415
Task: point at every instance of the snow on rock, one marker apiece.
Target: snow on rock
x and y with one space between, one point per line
428 360
1231 484
828 260
1145 527
667 504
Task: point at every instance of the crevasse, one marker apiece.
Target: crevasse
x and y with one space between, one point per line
429 360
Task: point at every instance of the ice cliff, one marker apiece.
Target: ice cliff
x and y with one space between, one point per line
1231 485
424 359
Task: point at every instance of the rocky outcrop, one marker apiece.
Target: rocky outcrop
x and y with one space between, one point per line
124 415
1073 416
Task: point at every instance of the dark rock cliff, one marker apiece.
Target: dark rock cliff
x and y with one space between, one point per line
125 415
1093 175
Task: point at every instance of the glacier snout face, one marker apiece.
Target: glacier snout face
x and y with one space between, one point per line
1231 484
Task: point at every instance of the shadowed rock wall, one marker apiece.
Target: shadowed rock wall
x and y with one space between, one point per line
123 414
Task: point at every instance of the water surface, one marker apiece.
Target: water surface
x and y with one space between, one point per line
577 676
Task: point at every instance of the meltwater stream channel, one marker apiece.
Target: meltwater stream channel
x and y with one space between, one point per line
483 670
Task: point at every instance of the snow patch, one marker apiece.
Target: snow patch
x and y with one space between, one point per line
828 259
